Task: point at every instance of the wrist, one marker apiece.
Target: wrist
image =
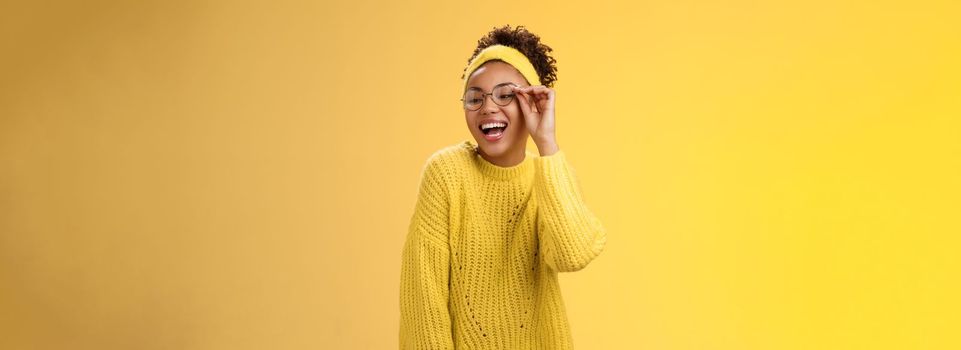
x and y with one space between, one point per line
547 148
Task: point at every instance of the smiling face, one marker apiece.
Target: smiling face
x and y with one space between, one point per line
508 148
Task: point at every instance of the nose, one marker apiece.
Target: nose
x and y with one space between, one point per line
489 105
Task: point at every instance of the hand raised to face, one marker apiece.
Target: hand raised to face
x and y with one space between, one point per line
537 106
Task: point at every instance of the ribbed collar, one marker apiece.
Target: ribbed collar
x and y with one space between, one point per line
521 170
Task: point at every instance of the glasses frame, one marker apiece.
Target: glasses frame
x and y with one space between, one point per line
485 94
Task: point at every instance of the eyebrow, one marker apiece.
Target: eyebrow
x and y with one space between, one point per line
499 84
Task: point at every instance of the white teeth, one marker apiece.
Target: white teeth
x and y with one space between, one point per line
493 125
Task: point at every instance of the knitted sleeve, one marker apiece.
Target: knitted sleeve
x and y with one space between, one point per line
425 321
570 235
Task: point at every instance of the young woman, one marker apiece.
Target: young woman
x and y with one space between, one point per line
493 223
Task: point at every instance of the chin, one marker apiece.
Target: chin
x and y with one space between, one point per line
495 149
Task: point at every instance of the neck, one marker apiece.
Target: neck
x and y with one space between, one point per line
510 158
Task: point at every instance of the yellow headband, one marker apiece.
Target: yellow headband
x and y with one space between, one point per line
507 54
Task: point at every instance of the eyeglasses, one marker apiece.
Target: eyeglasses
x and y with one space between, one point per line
502 94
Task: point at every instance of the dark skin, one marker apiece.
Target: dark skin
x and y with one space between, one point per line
530 114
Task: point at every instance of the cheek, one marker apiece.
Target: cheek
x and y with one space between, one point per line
471 121
513 111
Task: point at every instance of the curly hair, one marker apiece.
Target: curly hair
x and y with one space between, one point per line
527 43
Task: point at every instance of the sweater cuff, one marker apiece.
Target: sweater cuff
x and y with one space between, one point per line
553 169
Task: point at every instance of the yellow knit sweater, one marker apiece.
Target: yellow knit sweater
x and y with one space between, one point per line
483 249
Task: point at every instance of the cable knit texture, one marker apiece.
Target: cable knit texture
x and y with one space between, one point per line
483 249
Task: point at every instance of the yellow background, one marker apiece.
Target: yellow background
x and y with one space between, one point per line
239 175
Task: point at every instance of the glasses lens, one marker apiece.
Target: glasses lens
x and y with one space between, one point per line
473 99
503 95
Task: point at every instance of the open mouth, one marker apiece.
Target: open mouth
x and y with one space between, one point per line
493 130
